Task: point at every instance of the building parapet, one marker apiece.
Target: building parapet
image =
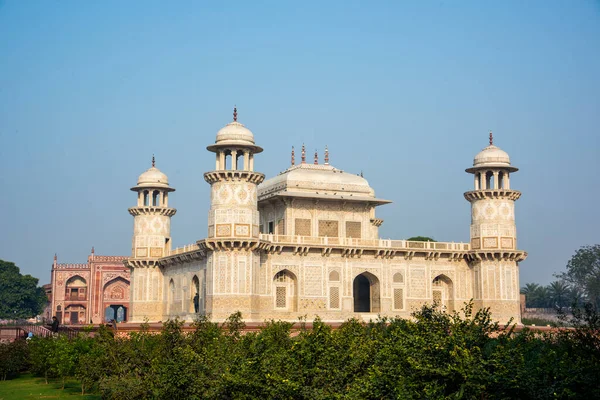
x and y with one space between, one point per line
184 249
374 243
71 266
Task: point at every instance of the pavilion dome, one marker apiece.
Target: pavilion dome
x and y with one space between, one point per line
492 157
234 134
153 178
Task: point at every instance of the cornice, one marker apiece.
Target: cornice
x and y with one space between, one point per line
152 210
492 194
234 175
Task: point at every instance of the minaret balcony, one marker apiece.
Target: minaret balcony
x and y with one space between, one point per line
492 194
234 175
152 210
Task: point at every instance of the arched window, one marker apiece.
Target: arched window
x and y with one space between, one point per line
76 288
442 292
398 277
155 198
334 290
171 296
334 276
195 301
366 293
146 198
284 291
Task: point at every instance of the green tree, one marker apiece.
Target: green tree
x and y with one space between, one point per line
421 239
559 293
20 297
583 271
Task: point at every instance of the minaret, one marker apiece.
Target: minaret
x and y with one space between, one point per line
233 222
151 241
494 256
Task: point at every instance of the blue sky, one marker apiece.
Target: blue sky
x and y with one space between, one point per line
404 91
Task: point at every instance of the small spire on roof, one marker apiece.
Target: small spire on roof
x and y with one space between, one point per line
234 113
153 161
303 154
293 157
361 173
326 155
316 157
491 138
92 249
55 257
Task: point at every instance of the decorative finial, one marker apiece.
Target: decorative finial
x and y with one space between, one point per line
326 155
303 154
234 114
153 161
491 139
55 257
92 249
316 157
361 174
293 157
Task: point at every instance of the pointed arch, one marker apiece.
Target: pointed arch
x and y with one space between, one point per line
442 291
285 291
366 291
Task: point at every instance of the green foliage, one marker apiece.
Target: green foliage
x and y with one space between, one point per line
421 239
14 358
20 297
583 272
433 355
558 294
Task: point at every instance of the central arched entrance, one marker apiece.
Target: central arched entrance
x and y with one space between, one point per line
366 293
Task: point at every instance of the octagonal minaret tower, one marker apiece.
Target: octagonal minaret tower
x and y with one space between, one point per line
233 223
494 255
151 241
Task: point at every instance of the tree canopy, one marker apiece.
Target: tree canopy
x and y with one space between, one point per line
421 239
583 271
20 296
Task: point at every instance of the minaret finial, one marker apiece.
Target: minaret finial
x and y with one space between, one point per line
326 155
234 113
491 139
293 157
153 161
316 157
361 174
92 249
303 154
55 257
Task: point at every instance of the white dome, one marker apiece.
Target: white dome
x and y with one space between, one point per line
153 176
491 155
235 132
318 181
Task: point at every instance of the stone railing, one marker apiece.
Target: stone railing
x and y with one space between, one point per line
69 266
184 249
374 243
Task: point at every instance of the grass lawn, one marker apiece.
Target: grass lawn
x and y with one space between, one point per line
29 387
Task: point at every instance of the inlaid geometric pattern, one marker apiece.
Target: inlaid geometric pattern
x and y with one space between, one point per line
302 227
398 299
328 228
334 297
280 296
353 229
223 230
